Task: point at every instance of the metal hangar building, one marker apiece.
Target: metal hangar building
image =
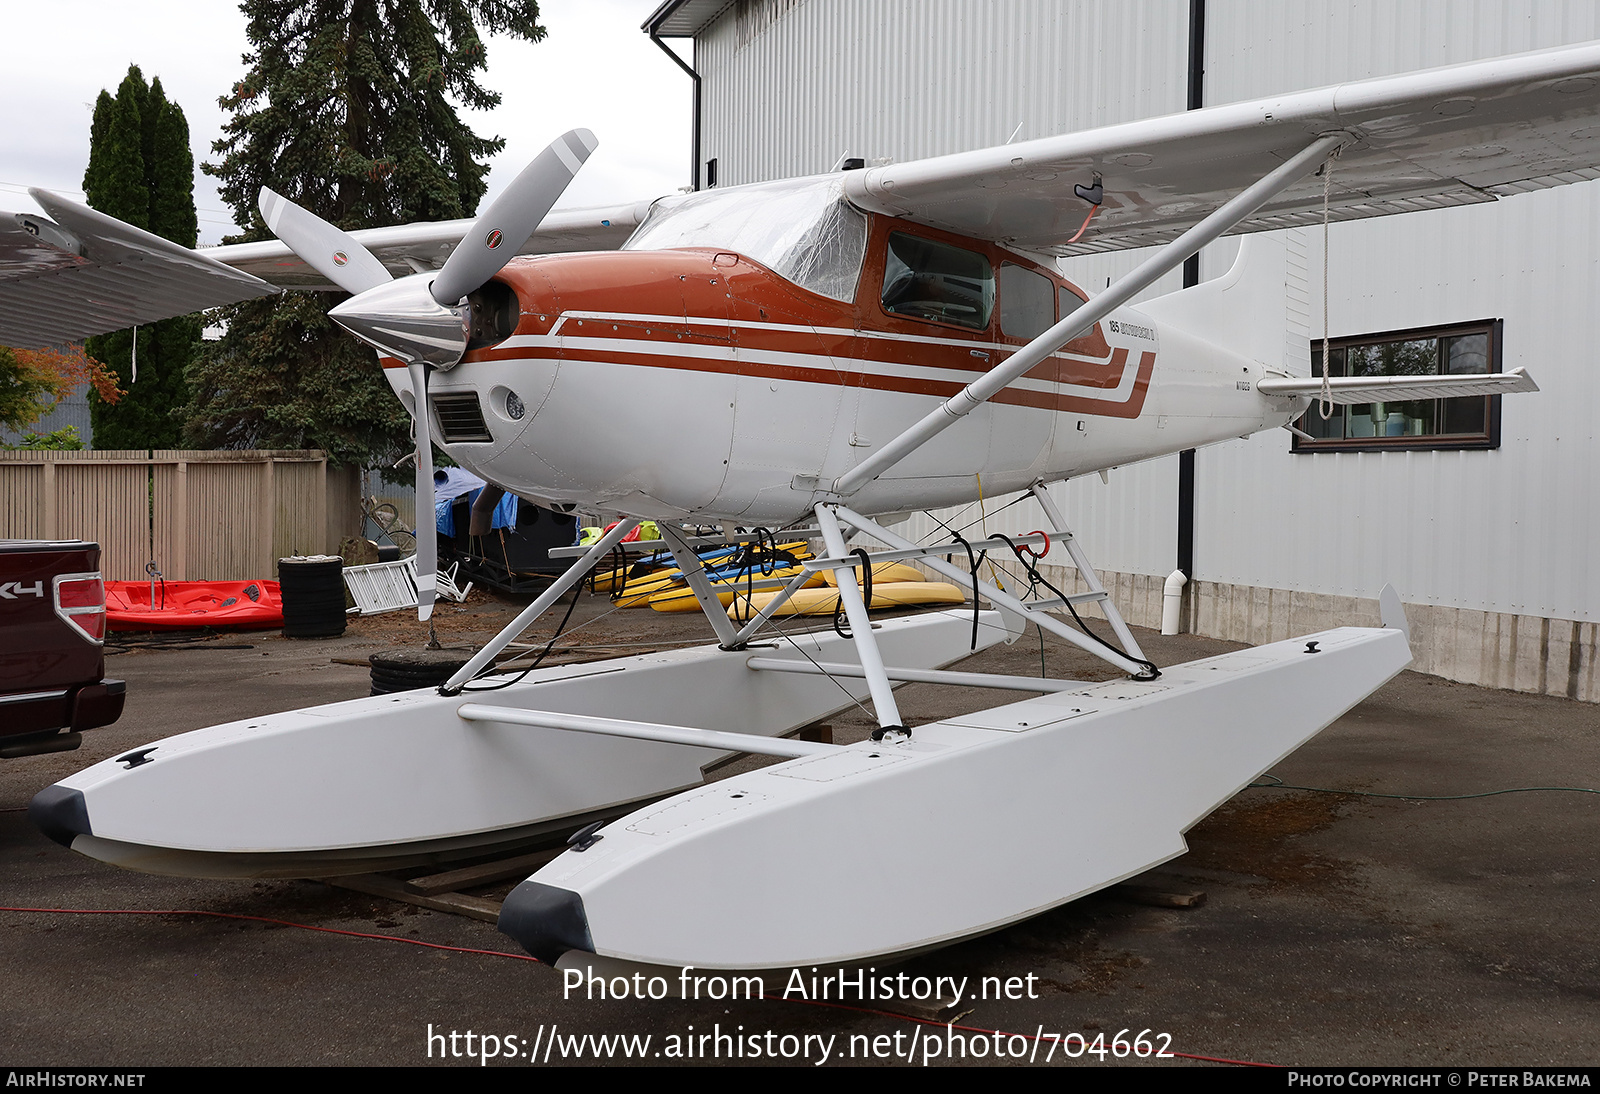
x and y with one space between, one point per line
1482 515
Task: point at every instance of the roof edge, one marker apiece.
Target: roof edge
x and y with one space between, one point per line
684 18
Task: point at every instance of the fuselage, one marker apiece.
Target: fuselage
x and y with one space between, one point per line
700 382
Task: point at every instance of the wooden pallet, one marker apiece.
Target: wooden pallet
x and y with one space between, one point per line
443 892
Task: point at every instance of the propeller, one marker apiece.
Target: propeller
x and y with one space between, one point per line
332 252
424 319
512 217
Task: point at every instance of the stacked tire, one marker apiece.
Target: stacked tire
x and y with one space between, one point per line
407 670
312 589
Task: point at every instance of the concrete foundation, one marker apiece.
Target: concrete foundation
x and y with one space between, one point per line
1526 653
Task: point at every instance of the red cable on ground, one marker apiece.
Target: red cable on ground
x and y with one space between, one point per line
536 961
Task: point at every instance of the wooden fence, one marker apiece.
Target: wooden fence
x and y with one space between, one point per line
201 516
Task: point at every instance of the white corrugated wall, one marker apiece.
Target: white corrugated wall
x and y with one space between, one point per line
790 86
1509 530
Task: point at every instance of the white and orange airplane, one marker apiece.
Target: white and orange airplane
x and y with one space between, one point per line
830 350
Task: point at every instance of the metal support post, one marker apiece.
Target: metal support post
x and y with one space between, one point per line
1080 559
861 628
695 575
567 580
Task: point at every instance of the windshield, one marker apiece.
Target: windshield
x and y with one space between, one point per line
804 231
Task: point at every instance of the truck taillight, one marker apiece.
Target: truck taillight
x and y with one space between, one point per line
81 601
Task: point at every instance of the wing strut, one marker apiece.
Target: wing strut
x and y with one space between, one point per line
1030 356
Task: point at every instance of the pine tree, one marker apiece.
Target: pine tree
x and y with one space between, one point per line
349 108
141 171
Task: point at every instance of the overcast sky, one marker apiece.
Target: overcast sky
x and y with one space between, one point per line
595 69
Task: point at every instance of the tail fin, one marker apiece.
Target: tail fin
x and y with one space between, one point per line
1260 308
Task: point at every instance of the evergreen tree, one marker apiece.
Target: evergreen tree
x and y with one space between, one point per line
141 171
349 108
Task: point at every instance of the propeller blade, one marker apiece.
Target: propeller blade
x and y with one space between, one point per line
427 535
502 229
330 251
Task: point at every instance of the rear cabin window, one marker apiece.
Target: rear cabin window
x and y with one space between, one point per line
924 279
1027 302
1070 301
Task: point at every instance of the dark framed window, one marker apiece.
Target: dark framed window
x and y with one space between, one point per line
1466 349
926 279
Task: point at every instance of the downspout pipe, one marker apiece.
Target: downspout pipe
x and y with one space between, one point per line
1191 277
651 27
1172 602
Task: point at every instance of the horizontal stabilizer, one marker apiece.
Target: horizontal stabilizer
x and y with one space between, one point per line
1353 390
88 273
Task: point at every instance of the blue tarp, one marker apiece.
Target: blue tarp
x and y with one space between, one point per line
505 514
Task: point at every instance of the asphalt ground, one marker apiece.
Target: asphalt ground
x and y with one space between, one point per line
1336 929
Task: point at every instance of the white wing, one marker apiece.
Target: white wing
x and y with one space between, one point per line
1447 136
406 248
85 273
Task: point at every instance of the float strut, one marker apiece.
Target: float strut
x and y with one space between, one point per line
997 596
573 575
1080 559
695 575
861 628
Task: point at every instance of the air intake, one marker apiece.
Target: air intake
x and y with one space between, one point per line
460 419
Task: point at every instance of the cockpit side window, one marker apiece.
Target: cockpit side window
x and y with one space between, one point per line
1027 302
924 279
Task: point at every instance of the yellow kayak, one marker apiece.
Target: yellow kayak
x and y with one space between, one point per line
681 598
883 573
825 600
638 592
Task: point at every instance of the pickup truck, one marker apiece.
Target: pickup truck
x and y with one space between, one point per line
52 657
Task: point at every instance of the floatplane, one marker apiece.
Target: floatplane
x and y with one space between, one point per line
819 353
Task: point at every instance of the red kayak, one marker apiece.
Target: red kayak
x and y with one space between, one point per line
248 605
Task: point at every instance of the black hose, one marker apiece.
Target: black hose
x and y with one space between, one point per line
972 562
